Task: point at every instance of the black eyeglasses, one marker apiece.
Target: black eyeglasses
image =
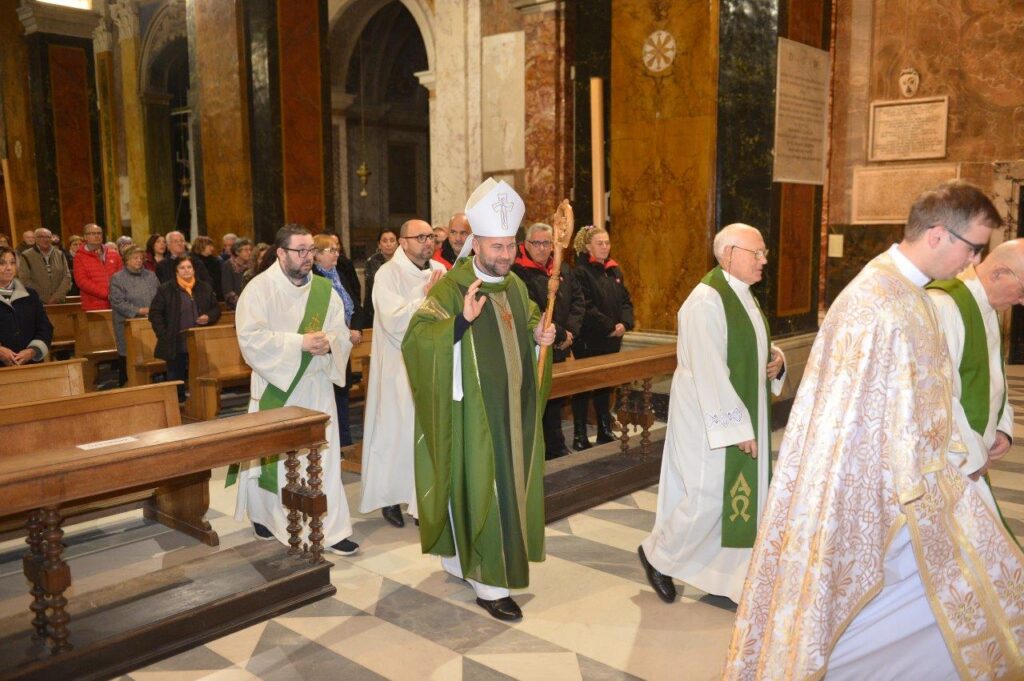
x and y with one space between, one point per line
301 252
421 238
976 249
541 244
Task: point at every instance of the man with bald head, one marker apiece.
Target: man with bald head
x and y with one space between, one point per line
968 310
45 269
715 468
458 232
400 287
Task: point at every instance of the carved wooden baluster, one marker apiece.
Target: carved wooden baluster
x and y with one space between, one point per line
290 496
32 565
56 577
316 506
623 399
648 419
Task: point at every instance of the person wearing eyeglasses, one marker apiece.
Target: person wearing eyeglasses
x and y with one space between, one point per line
607 316
715 467
292 333
968 309
400 287
877 557
94 265
534 266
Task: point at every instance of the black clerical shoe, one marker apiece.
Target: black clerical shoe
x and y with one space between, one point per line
393 514
502 609
604 430
346 547
262 532
662 584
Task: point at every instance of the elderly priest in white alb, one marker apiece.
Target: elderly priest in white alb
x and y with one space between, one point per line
716 464
291 331
400 287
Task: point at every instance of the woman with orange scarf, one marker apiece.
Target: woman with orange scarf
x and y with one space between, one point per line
179 305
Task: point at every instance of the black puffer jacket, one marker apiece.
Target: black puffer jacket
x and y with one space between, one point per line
568 301
165 314
607 303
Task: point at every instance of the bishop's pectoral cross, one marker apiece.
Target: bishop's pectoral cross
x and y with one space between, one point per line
503 206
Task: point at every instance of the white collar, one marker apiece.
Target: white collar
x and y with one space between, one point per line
484 277
907 268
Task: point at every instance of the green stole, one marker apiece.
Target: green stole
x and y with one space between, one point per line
273 397
974 366
739 501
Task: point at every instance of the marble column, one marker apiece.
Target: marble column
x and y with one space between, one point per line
125 14
548 111
104 65
340 101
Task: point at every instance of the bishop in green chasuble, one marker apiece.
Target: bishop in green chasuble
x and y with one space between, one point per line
479 444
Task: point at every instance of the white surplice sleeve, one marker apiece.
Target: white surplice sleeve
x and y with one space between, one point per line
952 326
341 340
702 345
274 355
392 305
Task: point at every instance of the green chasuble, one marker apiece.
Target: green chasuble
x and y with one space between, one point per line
974 367
482 455
739 498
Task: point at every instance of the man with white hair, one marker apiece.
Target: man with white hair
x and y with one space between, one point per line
177 248
45 269
470 355
715 468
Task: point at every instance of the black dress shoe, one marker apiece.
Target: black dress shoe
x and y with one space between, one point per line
393 514
662 584
580 442
502 609
604 430
262 532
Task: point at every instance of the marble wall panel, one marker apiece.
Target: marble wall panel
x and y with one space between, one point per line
589 49
263 71
216 40
499 16
503 94
21 181
73 145
663 131
301 99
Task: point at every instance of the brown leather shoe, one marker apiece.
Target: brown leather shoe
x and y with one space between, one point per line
662 584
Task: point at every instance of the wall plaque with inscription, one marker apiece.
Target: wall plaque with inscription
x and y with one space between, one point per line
883 196
801 113
903 130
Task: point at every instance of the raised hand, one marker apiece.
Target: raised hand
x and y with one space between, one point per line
435 276
471 305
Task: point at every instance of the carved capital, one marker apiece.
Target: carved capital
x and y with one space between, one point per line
428 79
125 14
538 6
101 38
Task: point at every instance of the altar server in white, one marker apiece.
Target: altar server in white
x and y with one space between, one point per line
291 331
400 287
715 468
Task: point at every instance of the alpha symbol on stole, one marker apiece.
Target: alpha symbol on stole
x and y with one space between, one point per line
740 494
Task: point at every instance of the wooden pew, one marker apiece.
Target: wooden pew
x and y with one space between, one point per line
44 381
140 343
214 362
360 359
94 342
70 421
113 630
62 316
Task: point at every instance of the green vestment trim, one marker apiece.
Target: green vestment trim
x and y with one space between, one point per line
974 367
481 456
273 397
739 498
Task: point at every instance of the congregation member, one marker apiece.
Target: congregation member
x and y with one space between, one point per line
400 287
204 253
25 330
122 243
534 266
607 316
259 254
968 308
4 241
471 355
232 270
440 234
156 251
458 232
28 240
716 462
74 245
94 265
387 244
876 557
131 291
291 331
176 249
45 269
346 285
180 304
226 242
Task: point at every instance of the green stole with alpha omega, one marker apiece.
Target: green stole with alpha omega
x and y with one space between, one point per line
273 397
974 367
739 500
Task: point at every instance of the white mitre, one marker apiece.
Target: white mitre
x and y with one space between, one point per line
493 209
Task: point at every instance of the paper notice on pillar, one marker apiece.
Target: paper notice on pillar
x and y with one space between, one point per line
801 113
